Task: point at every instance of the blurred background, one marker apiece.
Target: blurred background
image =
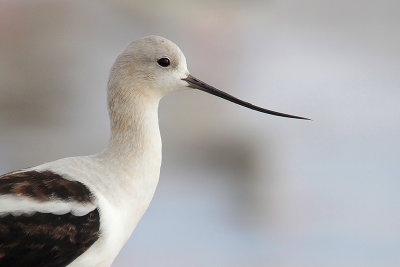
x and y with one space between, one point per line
237 187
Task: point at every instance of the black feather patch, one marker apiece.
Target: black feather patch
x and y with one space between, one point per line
45 239
44 186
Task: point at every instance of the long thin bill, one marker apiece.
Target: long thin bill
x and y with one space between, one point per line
197 84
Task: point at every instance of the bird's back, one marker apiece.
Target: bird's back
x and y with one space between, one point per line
45 219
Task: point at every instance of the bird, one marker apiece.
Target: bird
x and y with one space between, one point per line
80 211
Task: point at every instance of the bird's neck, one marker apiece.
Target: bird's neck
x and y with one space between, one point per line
132 158
135 133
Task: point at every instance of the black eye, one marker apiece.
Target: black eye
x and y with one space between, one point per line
163 62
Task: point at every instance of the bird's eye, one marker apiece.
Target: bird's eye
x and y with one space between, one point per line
163 62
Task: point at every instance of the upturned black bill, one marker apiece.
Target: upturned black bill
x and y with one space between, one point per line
197 84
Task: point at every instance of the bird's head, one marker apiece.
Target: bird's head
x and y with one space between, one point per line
155 66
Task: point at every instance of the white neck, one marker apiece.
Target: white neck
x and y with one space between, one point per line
133 155
134 125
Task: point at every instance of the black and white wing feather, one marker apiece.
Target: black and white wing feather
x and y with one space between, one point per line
45 219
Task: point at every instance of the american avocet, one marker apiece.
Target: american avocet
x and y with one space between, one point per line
80 211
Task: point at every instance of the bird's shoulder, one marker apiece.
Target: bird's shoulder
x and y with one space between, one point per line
46 218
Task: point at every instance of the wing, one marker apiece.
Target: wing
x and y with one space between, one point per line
45 219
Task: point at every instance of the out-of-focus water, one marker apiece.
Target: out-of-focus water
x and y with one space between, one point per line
237 188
